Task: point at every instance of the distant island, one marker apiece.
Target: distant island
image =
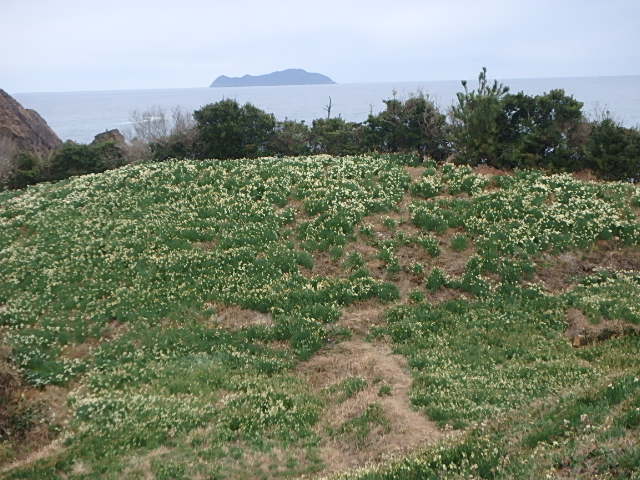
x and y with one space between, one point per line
291 76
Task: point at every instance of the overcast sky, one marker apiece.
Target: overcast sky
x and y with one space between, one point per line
68 45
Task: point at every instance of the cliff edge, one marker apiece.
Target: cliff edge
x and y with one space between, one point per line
24 127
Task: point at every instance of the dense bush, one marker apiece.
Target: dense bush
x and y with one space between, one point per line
336 136
290 138
77 159
228 130
69 160
614 151
542 131
474 120
492 126
413 125
25 170
179 145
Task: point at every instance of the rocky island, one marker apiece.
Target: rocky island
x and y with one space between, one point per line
291 76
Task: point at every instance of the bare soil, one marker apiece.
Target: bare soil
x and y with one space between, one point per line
378 365
581 331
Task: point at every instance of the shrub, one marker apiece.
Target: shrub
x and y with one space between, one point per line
228 130
614 151
179 145
336 137
413 125
24 169
475 121
77 159
491 126
290 138
544 130
304 259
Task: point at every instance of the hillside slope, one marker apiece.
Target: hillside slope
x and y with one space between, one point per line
307 316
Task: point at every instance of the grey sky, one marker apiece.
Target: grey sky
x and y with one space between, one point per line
66 45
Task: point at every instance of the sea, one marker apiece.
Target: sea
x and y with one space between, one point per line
79 116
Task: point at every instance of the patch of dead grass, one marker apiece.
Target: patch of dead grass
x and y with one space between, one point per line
559 272
236 318
377 365
581 331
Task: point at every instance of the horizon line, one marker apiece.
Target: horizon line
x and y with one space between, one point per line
318 85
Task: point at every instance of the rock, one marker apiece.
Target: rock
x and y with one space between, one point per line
109 136
23 127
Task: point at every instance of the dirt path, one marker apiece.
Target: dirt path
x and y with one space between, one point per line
47 451
374 362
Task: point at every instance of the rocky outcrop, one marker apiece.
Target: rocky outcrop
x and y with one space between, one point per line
109 136
24 127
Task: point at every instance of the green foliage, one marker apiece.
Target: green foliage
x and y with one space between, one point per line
544 130
28 170
416 268
71 159
429 217
476 121
389 223
491 126
304 259
388 292
290 138
427 187
430 244
614 151
384 391
436 280
415 124
608 297
336 136
228 130
76 159
416 296
459 242
178 145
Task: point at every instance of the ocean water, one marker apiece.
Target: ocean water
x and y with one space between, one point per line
80 116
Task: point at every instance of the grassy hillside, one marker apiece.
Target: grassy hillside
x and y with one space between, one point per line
307 316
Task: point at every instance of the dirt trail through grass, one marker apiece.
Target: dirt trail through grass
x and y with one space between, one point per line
388 382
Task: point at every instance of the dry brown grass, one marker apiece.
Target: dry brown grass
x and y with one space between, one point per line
235 318
415 172
374 362
378 365
581 332
559 272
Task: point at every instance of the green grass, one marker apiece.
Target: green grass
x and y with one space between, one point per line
112 285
